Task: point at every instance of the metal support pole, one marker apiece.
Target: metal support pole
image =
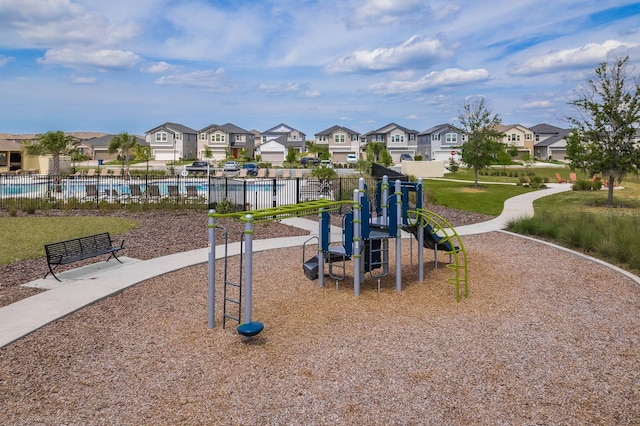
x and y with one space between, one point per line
385 199
419 222
248 272
211 304
398 192
320 252
356 242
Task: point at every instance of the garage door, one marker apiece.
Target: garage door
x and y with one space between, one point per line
272 157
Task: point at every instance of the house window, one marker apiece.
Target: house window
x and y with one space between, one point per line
412 137
238 138
161 137
379 138
452 138
527 136
217 137
435 137
354 138
537 137
264 139
397 138
203 136
338 138
177 136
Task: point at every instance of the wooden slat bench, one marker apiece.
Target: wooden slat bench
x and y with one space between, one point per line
65 252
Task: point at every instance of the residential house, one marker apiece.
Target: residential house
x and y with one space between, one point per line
397 139
172 142
275 143
218 139
438 142
97 148
550 142
11 152
341 142
518 136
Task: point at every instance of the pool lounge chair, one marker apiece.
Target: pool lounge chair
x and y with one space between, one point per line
174 192
92 193
262 173
91 172
192 192
153 193
104 172
136 192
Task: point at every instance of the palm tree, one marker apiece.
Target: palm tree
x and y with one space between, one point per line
123 144
53 143
142 153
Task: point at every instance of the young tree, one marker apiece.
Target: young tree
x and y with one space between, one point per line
53 143
606 120
123 144
483 140
291 155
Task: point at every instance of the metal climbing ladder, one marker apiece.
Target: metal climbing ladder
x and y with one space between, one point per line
232 296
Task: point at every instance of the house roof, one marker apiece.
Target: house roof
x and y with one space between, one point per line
334 129
106 139
227 128
552 140
546 129
439 128
281 128
389 127
10 145
173 126
502 128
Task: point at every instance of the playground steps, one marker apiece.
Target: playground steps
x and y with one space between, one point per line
439 235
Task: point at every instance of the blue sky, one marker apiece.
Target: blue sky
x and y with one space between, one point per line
122 65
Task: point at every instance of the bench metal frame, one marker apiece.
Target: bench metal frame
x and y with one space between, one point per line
74 250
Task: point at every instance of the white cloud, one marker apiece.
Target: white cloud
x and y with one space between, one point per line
158 67
56 23
433 80
4 60
417 51
208 80
537 105
279 88
584 56
103 59
385 12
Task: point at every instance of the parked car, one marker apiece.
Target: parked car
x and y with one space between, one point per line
251 168
406 157
198 167
352 159
231 166
312 161
326 163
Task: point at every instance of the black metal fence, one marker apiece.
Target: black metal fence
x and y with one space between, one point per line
32 192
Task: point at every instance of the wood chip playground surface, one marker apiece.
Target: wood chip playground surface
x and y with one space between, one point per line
545 337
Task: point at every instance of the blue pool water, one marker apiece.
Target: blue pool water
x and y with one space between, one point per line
78 189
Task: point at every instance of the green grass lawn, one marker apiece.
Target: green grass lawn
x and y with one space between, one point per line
25 237
488 199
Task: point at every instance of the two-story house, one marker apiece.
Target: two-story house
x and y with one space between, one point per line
549 141
397 139
438 142
172 142
274 143
97 148
219 138
341 142
517 135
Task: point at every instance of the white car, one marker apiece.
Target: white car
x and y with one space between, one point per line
352 159
326 163
231 166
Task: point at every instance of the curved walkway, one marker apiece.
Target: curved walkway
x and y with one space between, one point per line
85 285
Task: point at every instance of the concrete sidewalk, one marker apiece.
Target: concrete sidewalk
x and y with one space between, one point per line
83 286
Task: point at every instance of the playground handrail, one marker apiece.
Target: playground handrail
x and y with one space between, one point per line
287 211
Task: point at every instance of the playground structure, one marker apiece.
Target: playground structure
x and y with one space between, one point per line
366 232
